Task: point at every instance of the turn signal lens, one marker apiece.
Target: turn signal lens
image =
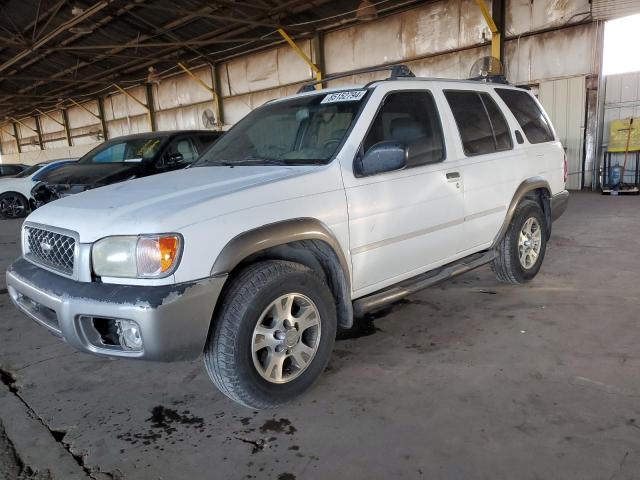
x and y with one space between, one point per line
157 255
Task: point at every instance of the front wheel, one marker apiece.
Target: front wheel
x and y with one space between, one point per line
521 251
13 205
273 334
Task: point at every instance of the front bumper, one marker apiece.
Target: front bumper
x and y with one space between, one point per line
559 203
174 320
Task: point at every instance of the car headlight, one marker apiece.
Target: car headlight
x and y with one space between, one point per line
142 256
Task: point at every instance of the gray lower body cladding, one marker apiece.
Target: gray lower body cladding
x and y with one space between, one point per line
559 203
174 319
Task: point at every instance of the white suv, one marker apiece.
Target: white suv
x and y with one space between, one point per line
312 210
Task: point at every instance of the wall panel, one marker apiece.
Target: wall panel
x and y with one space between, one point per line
565 102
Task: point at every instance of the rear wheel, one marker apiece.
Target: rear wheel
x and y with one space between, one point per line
13 205
521 251
273 334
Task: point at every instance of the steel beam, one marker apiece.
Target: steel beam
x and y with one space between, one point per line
67 128
151 107
496 41
49 117
217 84
85 108
103 120
36 119
24 125
499 14
314 68
17 137
184 43
317 49
50 36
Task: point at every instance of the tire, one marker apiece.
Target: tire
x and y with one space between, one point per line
250 306
13 205
509 266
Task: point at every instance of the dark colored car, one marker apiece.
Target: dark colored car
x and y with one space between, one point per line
124 158
11 169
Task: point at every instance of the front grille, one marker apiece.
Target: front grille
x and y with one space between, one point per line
50 249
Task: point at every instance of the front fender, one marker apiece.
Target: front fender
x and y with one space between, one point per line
271 235
308 234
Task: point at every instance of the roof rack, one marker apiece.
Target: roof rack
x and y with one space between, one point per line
397 71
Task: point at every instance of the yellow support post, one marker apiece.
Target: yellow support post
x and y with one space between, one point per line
197 79
298 50
122 90
49 117
8 133
495 33
84 108
216 98
142 104
24 125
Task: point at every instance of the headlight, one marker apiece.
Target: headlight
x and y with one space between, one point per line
144 256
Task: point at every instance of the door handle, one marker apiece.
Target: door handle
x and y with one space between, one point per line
453 176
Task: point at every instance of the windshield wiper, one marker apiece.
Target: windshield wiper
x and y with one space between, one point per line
248 161
254 160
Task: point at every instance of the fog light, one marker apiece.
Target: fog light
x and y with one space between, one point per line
129 334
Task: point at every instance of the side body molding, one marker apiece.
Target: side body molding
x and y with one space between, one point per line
272 235
529 185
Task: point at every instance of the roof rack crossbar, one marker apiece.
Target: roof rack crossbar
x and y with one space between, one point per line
397 71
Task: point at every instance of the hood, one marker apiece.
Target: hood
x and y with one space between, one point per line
169 201
94 174
7 183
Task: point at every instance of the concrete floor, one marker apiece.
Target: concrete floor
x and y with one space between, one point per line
473 379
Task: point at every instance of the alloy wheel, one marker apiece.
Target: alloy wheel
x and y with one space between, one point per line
286 338
529 243
11 206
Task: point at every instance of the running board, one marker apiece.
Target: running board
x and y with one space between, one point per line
407 287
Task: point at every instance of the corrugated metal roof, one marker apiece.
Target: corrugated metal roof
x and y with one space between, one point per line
53 49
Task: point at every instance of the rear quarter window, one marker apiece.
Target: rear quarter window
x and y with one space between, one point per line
482 126
531 119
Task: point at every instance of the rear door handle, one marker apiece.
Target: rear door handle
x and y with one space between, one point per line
453 176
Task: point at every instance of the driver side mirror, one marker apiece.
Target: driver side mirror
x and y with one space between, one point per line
382 157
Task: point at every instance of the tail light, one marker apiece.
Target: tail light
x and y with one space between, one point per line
565 168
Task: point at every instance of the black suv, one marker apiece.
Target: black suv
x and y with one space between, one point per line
124 158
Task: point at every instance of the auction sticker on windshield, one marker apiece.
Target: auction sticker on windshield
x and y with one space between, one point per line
346 96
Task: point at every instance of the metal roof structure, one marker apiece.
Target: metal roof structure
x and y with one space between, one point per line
51 50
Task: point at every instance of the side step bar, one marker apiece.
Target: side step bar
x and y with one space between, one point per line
407 287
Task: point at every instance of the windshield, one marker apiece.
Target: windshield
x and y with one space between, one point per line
133 150
29 171
301 131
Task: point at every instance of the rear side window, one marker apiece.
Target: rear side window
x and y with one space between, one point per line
483 128
411 119
533 122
